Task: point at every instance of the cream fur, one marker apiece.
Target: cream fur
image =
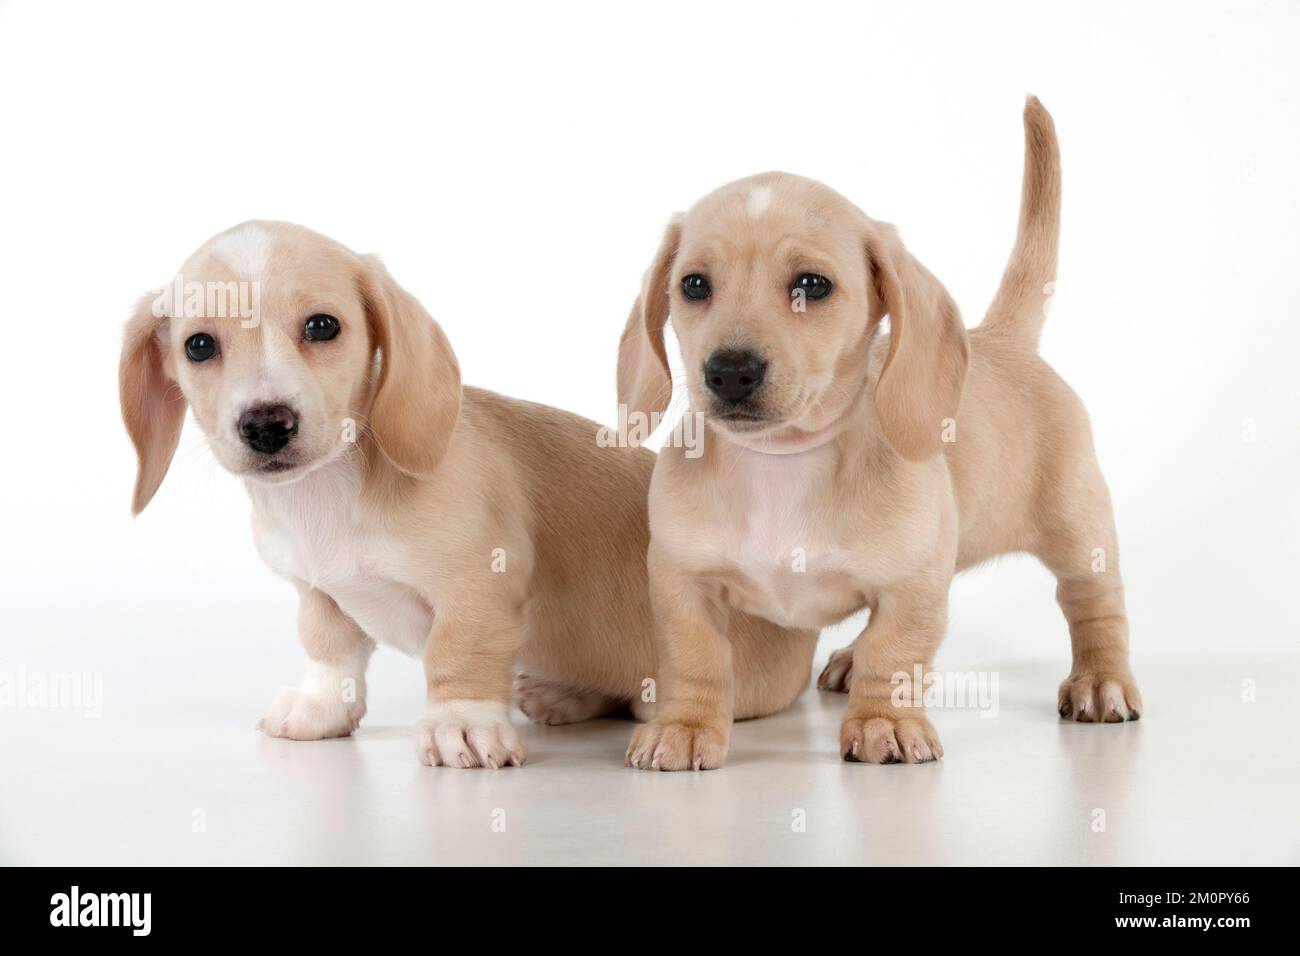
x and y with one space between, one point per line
888 461
482 534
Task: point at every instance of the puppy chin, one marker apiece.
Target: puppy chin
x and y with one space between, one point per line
275 471
280 469
744 419
768 430
741 424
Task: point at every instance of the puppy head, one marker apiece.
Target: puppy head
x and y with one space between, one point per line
290 349
776 286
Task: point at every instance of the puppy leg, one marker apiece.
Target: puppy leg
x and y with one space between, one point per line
837 675
468 664
331 700
1100 687
695 693
772 664
885 721
555 702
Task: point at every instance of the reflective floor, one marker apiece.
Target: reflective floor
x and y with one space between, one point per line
173 773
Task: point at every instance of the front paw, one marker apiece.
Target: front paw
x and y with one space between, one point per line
889 740
468 733
664 745
1100 697
303 716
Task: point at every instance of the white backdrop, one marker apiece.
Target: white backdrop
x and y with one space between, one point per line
514 167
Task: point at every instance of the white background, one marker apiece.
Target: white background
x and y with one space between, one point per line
514 166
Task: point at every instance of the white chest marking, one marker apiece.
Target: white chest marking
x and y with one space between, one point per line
790 557
778 531
312 530
784 560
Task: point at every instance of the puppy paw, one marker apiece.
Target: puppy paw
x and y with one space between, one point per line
551 702
299 715
889 740
1099 697
838 672
468 733
672 746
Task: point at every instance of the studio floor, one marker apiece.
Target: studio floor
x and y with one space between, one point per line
173 773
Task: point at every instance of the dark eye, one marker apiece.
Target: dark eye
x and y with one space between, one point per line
695 286
320 328
200 347
813 285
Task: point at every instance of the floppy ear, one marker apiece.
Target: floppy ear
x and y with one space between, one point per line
153 407
921 383
416 404
644 383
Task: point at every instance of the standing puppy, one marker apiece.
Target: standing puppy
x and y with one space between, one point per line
845 467
474 531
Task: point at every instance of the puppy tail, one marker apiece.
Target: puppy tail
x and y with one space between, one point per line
1020 306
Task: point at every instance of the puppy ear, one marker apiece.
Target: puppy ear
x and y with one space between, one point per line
417 401
153 407
921 383
644 383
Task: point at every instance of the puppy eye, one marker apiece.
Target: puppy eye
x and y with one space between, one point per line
695 286
200 347
320 328
813 285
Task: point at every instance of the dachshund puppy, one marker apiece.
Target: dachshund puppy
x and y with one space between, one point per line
849 467
482 534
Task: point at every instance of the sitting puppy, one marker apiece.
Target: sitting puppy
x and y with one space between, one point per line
475 531
849 468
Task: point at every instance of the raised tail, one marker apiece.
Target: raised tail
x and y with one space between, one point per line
1020 306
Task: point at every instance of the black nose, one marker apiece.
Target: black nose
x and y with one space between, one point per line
268 428
733 376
